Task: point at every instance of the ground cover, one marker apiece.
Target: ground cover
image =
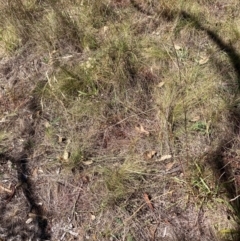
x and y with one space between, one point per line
119 120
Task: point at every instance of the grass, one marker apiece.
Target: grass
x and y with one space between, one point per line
108 67
122 181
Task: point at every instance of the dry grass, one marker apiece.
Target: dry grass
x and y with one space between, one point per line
116 86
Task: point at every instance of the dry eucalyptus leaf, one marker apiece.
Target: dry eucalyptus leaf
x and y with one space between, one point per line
85 179
35 173
203 60
58 170
161 84
9 164
4 189
3 120
152 230
182 174
165 157
29 220
141 130
195 118
148 201
169 166
60 139
46 124
75 234
87 163
105 29
151 154
177 47
66 155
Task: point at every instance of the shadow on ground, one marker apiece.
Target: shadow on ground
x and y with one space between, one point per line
215 159
22 215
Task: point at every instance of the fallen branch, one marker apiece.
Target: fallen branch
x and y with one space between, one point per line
4 189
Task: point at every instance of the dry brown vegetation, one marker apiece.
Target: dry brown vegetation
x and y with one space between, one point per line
119 120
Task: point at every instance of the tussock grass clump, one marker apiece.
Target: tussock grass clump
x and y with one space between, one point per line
122 181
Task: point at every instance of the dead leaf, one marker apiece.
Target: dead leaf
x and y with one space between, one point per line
182 175
105 29
66 155
153 230
177 47
87 163
85 179
29 220
148 201
161 84
203 60
58 170
3 120
9 164
169 166
38 114
35 173
141 130
61 139
4 189
46 124
75 234
165 157
150 154
195 118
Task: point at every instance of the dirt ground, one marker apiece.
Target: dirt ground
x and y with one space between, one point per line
41 201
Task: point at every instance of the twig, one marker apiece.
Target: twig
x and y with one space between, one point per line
13 192
199 211
233 199
74 205
136 114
